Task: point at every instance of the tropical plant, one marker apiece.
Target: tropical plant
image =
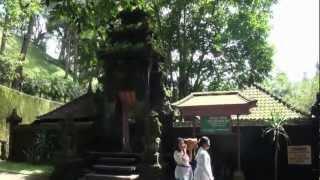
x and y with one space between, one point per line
277 131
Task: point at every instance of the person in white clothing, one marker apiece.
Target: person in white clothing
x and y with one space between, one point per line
183 169
203 169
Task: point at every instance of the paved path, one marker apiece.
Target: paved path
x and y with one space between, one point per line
7 176
10 176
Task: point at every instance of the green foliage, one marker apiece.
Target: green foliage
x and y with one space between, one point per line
52 88
208 44
7 69
30 7
301 94
41 76
37 63
218 44
279 85
18 12
28 107
82 27
13 10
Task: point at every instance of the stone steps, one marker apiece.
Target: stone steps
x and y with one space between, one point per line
117 160
94 176
107 169
113 166
114 154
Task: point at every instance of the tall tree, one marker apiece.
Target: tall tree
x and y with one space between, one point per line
30 10
4 34
213 44
12 18
27 38
208 44
81 26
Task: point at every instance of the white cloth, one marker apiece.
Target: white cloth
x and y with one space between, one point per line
203 169
183 169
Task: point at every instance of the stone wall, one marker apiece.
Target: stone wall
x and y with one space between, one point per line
28 107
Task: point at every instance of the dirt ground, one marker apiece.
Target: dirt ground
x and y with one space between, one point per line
11 176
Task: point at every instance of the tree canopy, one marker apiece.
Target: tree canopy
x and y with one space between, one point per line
208 44
214 44
301 94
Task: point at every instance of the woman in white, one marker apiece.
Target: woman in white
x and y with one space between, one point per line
203 169
183 169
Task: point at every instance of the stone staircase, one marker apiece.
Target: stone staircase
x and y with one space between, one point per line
113 166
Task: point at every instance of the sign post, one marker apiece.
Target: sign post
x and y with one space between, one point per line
215 125
299 155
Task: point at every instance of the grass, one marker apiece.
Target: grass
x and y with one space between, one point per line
24 168
38 63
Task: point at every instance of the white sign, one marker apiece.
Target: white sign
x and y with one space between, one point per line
299 155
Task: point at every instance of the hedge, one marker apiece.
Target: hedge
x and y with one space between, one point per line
28 107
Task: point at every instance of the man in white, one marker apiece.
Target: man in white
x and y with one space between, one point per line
203 169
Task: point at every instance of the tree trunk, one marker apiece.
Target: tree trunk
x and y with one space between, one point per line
27 39
63 48
75 45
17 83
67 59
183 80
276 158
4 34
38 34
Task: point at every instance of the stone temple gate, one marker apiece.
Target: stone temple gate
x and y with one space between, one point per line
133 83
122 122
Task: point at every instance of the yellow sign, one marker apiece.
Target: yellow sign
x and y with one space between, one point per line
299 155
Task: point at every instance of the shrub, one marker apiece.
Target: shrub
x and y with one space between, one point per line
8 66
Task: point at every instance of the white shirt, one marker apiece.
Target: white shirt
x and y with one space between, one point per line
203 169
181 158
183 169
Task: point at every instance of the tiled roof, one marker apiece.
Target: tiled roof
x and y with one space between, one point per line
212 99
268 103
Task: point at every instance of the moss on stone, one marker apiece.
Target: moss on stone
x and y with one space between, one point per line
28 107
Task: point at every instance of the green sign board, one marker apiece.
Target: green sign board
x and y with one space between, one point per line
215 125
